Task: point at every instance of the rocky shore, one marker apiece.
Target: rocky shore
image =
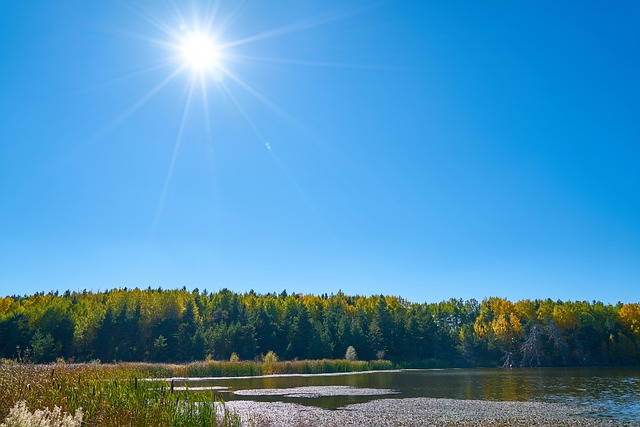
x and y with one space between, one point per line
418 412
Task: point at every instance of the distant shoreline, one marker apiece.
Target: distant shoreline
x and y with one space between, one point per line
304 375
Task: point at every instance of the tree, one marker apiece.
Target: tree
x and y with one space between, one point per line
630 318
104 338
174 325
186 333
531 350
160 349
56 321
15 334
43 347
300 333
351 354
375 338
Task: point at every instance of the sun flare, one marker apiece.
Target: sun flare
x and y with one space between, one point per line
200 53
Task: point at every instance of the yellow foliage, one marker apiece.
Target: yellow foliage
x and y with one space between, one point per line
516 326
564 317
630 317
500 326
500 305
5 304
480 328
525 309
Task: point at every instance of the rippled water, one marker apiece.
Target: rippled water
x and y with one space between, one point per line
611 392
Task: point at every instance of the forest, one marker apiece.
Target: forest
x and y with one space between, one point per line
157 325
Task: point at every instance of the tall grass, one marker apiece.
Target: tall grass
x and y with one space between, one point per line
215 368
109 395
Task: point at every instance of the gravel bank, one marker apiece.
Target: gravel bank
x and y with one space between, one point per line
417 412
316 391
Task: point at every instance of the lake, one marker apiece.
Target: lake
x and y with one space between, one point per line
612 392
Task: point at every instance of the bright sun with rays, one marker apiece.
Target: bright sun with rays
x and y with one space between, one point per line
200 53
201 47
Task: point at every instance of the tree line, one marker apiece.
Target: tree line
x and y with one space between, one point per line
179 326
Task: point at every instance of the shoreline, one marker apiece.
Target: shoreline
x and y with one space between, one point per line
419 412
245 377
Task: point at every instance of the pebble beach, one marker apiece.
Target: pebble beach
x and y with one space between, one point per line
418 412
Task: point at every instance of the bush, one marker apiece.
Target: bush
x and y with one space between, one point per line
270 357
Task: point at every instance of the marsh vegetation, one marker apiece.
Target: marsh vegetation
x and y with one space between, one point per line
106 395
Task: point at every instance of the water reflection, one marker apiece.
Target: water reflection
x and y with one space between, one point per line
614 392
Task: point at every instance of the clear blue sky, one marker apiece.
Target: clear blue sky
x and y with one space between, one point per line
423 149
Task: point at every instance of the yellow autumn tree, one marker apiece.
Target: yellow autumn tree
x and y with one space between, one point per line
630 318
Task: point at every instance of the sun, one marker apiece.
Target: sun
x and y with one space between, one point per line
200 53
204 51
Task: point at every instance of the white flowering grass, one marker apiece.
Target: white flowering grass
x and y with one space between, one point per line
20 416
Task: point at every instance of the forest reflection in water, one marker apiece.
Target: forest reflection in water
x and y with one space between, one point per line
612 392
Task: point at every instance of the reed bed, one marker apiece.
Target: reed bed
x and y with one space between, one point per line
252 368
217 368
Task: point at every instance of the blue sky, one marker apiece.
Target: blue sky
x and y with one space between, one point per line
423 149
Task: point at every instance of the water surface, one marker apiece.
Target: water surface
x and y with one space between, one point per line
611 392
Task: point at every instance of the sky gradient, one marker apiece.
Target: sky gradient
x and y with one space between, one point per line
424 149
